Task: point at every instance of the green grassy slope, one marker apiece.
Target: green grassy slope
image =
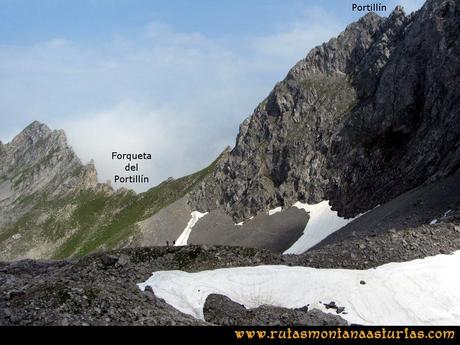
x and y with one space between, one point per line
127 209
91 220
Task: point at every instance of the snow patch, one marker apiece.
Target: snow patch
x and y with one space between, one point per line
435 221
275 210
183 238
322 222
419 292
242 223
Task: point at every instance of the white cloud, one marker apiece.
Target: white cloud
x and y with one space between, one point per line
179 96
316 27
178 146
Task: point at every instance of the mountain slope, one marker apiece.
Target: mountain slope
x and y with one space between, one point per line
121 228
52 206
38 162
362 119
369 120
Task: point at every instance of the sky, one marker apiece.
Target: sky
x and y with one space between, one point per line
173 78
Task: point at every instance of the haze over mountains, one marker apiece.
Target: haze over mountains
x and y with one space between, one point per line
353 160
362 119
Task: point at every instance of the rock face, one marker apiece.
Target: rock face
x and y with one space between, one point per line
362 119
39 177
39 161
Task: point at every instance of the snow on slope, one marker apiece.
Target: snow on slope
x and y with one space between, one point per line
323 222
183 238
418 292
275 210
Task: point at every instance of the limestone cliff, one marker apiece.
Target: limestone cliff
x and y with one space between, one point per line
363 118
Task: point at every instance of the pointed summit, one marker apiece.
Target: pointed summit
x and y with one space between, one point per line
37 126
370 17
398 12
31 134
39 159
399 9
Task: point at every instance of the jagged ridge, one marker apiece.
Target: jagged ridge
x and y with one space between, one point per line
362 119
51 205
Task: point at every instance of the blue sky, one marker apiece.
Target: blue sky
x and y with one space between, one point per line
173 77
34 20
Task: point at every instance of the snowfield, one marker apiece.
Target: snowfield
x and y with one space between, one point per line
418 292
183 238
275 210
323 222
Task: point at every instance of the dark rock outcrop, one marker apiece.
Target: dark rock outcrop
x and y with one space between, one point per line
362 119
221 310
431 203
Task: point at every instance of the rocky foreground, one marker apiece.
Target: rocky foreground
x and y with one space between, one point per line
100 289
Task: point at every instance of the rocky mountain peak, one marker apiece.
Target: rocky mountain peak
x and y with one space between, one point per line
369 20
398 11
37 125
38 162
37 136
32 132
